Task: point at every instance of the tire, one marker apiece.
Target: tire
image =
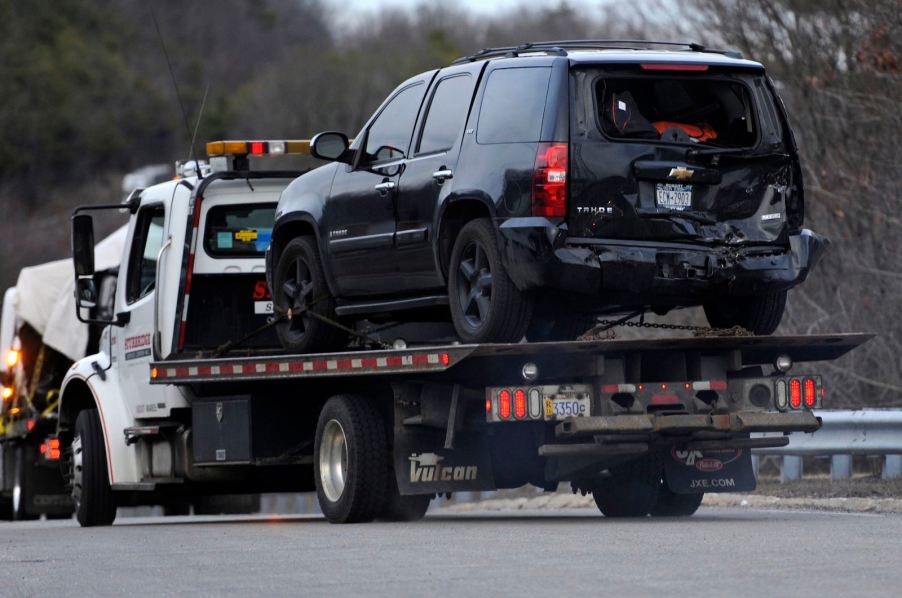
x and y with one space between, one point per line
95 503
485 305
671 504
760 314
402 508
632 488
561 328
299 280
350 459
21 489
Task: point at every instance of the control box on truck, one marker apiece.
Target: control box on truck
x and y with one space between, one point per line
190 393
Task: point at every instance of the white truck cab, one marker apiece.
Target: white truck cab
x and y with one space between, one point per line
194 250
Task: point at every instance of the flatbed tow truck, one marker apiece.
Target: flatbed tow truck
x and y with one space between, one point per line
174 406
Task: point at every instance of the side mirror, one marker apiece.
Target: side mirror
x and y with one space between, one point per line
85 292
331 145
83 245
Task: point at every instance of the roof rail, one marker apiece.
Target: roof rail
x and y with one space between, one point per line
559 48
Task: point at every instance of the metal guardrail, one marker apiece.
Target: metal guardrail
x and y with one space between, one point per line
845 433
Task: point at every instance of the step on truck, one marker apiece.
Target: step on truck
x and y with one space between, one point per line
190 393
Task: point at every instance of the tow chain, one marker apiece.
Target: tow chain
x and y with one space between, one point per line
603 330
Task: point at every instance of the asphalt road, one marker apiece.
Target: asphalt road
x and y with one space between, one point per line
718 552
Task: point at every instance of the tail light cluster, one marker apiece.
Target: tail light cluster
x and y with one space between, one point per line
50 449
797 393
549 188
531 403
662 394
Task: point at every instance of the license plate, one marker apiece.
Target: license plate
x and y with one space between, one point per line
673 197
564 407
262 307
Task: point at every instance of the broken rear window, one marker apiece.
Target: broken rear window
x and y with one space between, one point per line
713 111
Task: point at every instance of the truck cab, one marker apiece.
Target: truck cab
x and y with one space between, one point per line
192 277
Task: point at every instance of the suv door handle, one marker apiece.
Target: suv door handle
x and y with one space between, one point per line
385 186
443 174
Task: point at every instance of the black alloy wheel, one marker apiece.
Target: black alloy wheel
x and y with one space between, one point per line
475 289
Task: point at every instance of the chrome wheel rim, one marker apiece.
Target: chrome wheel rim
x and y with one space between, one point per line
333 460
474 292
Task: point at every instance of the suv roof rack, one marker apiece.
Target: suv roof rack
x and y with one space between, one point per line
559 48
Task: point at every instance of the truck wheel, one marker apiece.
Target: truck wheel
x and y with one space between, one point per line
398 507
94 500
299 281
21 489
671 504
632 488
760 314
485 305
350 459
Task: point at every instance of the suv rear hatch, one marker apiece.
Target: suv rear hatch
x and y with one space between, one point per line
680 152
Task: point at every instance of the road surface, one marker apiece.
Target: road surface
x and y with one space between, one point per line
737 552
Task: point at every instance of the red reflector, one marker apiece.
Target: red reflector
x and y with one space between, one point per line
520 403
674 67
718 384
810 394
446 359
257 148
504 404
610 388
659 399
488 405
44 448
795 394
30 425
549 189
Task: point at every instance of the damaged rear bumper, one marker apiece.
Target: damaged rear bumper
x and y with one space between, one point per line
646 272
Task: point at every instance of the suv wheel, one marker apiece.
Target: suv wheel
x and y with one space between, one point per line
485 305
299 282
760 314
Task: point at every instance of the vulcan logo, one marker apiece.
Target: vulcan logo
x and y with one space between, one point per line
426 467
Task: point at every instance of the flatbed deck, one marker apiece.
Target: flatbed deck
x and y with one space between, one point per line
754 350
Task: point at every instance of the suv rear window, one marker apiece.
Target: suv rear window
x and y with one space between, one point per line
239 231
513 105
717 112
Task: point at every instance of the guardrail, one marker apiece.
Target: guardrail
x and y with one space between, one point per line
844 434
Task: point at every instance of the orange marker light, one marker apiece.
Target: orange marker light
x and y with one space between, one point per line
7 392
12 358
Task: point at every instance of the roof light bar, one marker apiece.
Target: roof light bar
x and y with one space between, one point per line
258 148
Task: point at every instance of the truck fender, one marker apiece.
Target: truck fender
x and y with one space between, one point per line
83 388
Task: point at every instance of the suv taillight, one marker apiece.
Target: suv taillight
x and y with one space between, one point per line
549 188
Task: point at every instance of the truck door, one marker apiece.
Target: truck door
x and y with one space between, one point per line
132 343
428 174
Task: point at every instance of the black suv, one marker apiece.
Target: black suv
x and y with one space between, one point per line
528 190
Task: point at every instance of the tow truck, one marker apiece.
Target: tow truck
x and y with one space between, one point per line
190 393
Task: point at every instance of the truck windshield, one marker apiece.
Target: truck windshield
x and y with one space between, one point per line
698 110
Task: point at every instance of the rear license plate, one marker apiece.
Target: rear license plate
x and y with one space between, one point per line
564 407
673 197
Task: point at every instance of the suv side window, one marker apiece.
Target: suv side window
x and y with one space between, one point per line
142 261
513 105
389 135
447 114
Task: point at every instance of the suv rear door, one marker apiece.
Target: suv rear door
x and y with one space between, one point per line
428 174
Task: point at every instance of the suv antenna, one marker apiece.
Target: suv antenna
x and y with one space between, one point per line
178 94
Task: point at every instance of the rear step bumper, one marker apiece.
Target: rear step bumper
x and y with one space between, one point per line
645 270
656 425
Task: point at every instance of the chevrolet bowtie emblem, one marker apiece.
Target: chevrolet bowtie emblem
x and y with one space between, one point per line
681 172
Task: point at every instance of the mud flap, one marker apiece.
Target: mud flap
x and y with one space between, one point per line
692 471
424 466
